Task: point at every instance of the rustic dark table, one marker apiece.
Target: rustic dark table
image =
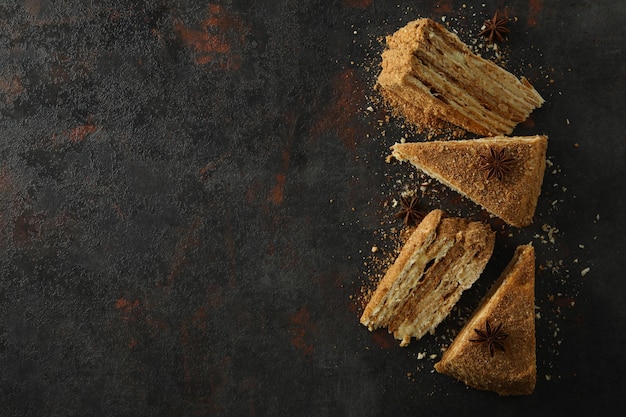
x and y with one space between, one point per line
190 192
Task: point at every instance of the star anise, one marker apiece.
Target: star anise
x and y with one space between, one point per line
492 337
495 29
409 211
496 164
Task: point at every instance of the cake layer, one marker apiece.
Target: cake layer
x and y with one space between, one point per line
431 77
442 258
508 311
502 174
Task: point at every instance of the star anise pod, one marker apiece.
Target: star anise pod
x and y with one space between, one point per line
495 29
409 211
496 164
492 337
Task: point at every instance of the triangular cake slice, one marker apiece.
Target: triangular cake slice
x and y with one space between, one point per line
442 258
495 350
430 76
502 174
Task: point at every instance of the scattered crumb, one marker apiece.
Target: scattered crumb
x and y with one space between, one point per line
585 271
551 231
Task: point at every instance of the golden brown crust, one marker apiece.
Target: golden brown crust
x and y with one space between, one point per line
457 164
442 258
510 302
433 79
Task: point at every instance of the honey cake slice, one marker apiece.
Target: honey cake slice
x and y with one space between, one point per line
502 174
443 257
432 78
495 350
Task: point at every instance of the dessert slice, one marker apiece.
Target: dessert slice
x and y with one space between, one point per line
502 174
495 350
432 78
442 258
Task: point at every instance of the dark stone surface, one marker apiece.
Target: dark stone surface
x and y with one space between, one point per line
189 191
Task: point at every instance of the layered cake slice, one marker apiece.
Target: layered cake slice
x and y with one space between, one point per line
502 174
495 350
442 258
433 79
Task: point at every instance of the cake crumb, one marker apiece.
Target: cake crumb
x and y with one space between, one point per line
585 271
551 231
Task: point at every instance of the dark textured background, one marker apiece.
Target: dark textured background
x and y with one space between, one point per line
189 192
